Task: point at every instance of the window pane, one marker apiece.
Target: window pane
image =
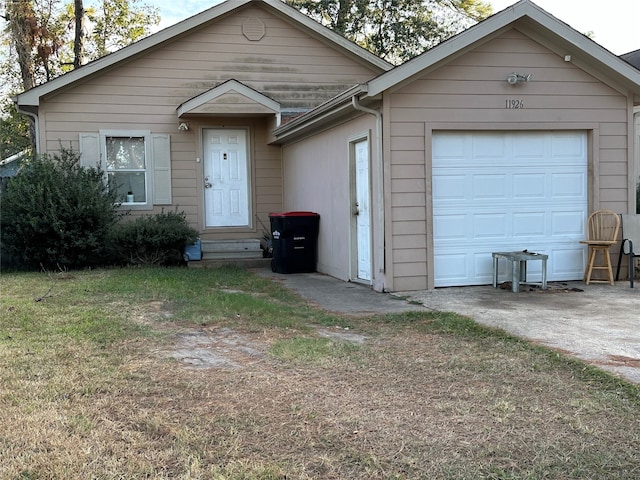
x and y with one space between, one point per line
125 152
129 183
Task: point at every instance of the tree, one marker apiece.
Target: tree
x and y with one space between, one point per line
117 23
395 30
47 38
14 131
78 42
56 213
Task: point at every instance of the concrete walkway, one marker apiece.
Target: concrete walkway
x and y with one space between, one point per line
598 323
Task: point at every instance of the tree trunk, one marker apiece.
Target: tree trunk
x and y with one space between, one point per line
342 19
78 45
22 23
21 20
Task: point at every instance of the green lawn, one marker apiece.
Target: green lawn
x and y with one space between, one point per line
222 374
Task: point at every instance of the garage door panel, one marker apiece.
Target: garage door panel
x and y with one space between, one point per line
569 224
485 148
454 267
568 146
529 192
531 147
483 266
523 222
566 263
449 146
489 225
451 187
490 187
529 225
529 186
450 227
569 185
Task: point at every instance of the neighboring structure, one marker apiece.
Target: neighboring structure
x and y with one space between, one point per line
9 168
634 59
501 138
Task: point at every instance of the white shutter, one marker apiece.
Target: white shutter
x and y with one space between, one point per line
161 169
89 149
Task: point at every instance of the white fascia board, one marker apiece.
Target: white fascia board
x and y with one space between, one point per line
493 26
13 158
229 85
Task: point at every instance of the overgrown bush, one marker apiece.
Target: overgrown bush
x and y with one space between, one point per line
55 213
152 239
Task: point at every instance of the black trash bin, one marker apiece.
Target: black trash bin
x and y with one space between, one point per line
295 241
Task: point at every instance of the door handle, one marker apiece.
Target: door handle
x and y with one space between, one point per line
207 185
356 210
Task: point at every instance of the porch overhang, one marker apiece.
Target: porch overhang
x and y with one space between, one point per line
231 98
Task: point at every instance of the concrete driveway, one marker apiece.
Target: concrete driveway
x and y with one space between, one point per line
598 323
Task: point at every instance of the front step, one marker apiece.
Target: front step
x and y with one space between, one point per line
231 248
244 253
235 262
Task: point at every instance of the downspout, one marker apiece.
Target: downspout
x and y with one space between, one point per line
33 116
636 161
379 188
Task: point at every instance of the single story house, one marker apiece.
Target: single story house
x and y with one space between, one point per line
504 137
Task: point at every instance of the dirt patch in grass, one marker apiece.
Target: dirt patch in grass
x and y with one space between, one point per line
405 404
420 396
221 347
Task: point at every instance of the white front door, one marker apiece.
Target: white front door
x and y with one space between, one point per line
226 178
362 210
508 191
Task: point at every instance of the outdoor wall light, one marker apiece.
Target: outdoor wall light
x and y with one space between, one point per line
183 126
515 78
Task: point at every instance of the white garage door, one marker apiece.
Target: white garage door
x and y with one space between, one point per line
508 191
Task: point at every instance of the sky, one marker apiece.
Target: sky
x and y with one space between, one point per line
614 23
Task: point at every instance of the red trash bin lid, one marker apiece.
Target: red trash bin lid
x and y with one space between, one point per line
294 214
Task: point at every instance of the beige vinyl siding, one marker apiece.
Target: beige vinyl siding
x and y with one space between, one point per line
287 64
316 172
469 93
408 206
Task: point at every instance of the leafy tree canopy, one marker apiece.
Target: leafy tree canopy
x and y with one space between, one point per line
42 43
395 30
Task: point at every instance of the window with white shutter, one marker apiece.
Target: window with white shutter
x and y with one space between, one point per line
136 163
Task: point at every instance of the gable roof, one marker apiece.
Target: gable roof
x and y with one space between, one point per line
217 99
534 22
632 57
31 98
526 16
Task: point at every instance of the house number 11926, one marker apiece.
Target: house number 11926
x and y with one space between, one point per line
511 103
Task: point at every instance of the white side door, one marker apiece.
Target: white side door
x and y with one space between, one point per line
226 178
362 210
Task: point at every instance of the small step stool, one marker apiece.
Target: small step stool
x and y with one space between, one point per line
519 267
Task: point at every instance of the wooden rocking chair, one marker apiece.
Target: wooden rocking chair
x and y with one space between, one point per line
602 232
